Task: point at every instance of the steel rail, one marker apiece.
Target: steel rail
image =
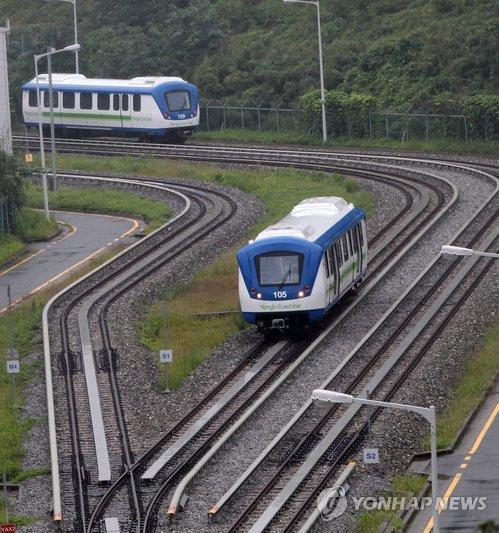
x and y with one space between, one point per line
280 500
173 506
359 374
54 456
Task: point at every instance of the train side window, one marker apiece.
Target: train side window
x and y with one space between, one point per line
32 98
326 262
46 99
85 100
116 102
124 102
103 101
352 241
361 234
68 100
136 102
345 248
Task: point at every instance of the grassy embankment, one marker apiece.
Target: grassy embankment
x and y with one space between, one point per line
301 138
110 201
33 226
26 321
479 373
401 485
215 288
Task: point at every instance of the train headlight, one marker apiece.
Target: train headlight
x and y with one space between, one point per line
259 295
301 294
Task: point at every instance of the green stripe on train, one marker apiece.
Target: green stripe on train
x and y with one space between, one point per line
88 115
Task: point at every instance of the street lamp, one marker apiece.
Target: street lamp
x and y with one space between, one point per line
50 52
321 66
328 396
456 250
75 28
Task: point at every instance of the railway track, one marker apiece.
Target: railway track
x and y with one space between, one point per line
432 202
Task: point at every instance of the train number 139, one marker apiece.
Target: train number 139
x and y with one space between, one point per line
280 294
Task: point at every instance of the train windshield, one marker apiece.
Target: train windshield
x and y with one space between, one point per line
178 101
282 268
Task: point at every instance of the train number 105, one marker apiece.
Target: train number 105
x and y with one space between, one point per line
280 294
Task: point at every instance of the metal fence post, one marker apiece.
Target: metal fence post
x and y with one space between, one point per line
277 119
370 126
242 117
465 130
207 118
426 127
386 124
259 120
224 124
407 127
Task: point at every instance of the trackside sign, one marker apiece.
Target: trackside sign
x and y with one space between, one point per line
7 528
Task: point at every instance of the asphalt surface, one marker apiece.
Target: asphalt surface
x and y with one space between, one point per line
472 471
83 236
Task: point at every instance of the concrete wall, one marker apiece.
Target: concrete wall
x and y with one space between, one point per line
5 126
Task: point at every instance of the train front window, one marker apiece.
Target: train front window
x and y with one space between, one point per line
279 269
178 101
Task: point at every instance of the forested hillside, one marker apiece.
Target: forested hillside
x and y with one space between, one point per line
408 54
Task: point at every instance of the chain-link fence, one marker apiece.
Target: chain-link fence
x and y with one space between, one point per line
8 215
234 115
375 125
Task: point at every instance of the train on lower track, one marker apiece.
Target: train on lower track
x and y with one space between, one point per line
296 270
149 107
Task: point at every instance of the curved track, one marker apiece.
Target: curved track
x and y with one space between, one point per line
435 197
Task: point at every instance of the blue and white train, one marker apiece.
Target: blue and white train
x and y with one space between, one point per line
296 270
147 107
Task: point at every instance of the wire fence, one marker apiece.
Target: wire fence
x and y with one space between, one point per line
8 215
374 125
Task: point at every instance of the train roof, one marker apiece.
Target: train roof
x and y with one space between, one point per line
71 81
310 219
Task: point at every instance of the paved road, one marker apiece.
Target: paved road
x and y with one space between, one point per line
471 471
86 235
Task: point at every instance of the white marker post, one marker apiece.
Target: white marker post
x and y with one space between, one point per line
166 355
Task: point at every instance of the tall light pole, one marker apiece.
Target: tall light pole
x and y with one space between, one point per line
328 396
321 66
75 20
48 54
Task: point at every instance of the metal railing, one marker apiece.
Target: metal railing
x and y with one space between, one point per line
373 124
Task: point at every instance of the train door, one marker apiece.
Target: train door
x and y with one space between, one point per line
126 119
339 265
55 106
346 252
136 111
357 244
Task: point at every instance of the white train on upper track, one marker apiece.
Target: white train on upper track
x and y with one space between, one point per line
296 270
149 106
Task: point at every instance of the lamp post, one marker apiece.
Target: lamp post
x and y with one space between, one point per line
456 250
328 396
321 66
50 52
75 30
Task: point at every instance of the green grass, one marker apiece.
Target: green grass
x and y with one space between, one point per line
479 374
215 287
401 485
10 246
301 138
33 226
102 201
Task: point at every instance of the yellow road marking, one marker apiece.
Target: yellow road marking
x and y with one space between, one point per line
446 496
67 270
463 465
484 430
458 476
